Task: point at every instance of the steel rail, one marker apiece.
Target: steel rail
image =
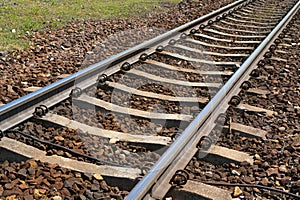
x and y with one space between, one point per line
173 152
21 109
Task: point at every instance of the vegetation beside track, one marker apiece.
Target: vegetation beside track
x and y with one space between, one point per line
19 18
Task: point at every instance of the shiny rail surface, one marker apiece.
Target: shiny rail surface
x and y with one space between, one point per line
235 41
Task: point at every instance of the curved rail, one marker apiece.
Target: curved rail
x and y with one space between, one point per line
173 152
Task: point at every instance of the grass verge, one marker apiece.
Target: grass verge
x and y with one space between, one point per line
19 18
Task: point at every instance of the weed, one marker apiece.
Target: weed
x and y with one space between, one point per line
21 16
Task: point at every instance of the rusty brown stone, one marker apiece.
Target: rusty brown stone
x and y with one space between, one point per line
237 192
264 181
22 173
272 171
282 168
9 186
1 190
46 182
28 197
65 192
23 186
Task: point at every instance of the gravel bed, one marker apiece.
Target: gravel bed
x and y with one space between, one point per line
135 81
213 42
114 121
214 49
184 64
232 31
85 144
229 37
139 102
194 55
257 120
171 74
66 50
260 20
183 76
37 180
128 124
236 26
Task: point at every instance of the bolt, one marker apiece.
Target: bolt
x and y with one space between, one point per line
202 26
143 57
235 100
210 22
246 85
183 36
268 54
160 48
193 31
126 66
172 42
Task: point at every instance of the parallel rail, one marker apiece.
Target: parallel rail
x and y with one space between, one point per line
156 183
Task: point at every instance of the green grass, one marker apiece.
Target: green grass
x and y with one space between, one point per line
20 17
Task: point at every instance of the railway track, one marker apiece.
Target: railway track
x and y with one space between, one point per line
149 116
